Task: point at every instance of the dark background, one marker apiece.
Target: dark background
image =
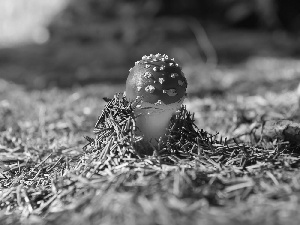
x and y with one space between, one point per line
94 41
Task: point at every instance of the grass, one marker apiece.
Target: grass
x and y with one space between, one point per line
211 169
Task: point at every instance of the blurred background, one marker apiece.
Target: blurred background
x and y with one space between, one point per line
219 43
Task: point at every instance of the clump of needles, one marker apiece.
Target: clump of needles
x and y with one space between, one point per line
116 143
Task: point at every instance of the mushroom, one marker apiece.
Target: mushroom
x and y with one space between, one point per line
159 87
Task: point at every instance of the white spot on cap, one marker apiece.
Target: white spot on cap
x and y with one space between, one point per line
137 62
171 92
180 82
164 91
176 64
144 57
161 80
173 59
150 89
139 88
157 55
154 68
162 67
130 69
166 57
158 102
147 75
171 64
147 66
162 59
173 75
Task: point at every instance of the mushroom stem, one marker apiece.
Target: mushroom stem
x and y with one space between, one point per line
153 124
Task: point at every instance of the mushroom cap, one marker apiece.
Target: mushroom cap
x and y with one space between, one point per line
157 80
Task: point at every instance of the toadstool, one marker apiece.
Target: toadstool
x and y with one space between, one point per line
159 87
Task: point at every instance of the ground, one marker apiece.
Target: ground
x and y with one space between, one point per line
47 177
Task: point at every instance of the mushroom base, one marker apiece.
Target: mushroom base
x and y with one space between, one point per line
153 125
